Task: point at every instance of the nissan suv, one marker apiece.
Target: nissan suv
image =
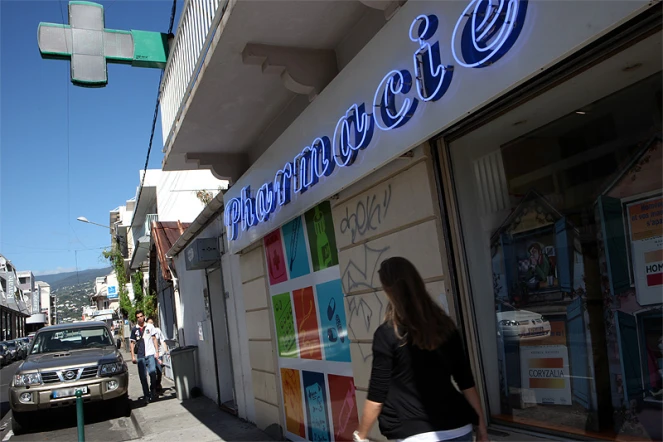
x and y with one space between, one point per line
63 360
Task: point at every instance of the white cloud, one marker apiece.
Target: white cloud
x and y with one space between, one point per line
57 270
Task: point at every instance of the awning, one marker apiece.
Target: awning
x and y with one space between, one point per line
166 234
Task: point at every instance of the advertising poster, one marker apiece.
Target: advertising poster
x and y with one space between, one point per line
285 327
545 371
332 320
308 308
316 406
275 260
322 242
295 248
307 324
646 235
344 406
292 399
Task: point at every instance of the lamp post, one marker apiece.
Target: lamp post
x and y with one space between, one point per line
85 220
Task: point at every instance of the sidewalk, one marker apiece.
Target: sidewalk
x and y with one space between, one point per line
199 419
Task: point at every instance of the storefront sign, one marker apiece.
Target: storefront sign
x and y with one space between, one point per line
545 371
10 286
112 292
430 66
35 302
646 228
482 35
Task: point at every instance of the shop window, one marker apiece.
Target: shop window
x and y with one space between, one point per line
571 339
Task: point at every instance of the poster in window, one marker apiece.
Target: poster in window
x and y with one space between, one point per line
332 321
285 326
344 406
316 406
646 235
307 324
321 238
292 400
276 265
295 248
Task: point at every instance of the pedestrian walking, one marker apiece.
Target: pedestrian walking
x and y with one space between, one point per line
163 350
144 352
421 387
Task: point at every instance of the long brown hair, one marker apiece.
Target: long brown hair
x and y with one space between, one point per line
416 318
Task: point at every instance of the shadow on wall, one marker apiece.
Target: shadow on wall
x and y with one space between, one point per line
227 426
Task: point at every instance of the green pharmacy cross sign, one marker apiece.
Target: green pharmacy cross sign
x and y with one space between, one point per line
90 45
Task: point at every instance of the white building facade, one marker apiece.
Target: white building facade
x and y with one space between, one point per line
517 167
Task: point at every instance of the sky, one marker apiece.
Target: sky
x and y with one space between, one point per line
67 151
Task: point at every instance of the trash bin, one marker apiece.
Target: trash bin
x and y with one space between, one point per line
184 363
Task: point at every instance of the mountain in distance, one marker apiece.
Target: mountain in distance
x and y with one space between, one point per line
66 279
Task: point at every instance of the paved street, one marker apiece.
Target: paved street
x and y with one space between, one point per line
166 419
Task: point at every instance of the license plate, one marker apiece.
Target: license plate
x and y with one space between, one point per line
536 330
68 392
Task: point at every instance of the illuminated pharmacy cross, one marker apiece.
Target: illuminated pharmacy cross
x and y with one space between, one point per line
90 45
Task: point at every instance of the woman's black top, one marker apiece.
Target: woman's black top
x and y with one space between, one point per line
415 388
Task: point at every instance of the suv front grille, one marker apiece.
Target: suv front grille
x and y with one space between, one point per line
89 372
50 377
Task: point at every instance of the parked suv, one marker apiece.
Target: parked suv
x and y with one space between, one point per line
63 359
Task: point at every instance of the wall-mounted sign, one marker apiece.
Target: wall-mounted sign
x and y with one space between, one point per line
482 35
646 228
11 288
112 292
432 65
89 45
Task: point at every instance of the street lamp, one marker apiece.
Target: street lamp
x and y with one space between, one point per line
85 220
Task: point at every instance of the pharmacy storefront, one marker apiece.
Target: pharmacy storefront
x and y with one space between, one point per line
517 164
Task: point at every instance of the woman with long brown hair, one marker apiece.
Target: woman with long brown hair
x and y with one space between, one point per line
416 353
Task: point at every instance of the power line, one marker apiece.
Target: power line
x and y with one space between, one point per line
156 110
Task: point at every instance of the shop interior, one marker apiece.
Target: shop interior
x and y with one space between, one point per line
559 201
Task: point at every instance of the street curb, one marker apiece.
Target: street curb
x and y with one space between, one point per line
139 431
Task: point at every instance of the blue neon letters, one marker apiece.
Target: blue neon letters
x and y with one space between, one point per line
485 31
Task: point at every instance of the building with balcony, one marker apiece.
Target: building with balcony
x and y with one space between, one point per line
47 301
13 309
165 196
510 163
31 292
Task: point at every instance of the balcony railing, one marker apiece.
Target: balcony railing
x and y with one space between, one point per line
194 34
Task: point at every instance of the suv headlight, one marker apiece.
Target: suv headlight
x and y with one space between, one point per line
112 368
509 323
21 380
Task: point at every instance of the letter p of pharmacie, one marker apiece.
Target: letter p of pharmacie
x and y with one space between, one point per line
232 217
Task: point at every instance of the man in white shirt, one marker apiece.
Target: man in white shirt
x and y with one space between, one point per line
152 360
163 347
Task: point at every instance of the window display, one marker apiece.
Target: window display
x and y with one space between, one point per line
568 218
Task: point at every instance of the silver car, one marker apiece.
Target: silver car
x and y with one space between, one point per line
62 360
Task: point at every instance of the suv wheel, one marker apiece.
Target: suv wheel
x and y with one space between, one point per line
20 422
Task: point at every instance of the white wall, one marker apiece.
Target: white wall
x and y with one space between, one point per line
192 284
176 196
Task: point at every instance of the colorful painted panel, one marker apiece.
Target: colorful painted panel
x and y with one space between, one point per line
316 406
295 248
276 265
344 406
307 324
292 399
285 326
332 321
322 242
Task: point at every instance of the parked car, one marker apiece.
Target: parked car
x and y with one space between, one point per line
3 356
10 353
62 360
21 349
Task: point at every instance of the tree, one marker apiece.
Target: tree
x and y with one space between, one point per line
142 300
114 256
